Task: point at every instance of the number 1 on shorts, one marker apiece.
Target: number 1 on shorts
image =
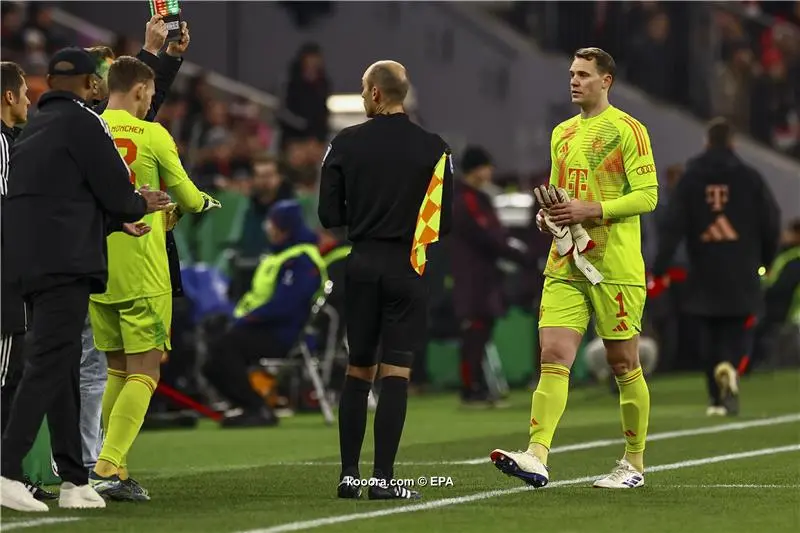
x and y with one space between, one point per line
621 303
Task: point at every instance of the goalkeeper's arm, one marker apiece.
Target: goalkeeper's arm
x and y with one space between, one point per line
634 203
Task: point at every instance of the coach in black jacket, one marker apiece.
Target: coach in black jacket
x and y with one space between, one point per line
68 189
731 225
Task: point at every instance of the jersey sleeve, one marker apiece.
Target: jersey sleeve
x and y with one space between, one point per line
332 207
171 171
554 172
637 155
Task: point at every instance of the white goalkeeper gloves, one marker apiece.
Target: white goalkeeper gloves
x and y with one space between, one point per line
567 236
572 239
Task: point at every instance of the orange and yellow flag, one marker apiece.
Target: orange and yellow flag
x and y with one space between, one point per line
427 229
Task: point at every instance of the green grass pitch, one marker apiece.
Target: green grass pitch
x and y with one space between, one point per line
707 475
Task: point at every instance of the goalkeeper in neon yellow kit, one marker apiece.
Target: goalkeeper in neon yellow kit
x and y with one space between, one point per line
132 319
602 159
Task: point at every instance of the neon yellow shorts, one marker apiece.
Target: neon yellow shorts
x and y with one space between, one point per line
569 304
135 326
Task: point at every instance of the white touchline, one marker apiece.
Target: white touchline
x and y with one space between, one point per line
721 428
8 526
590 445
446 502
732 486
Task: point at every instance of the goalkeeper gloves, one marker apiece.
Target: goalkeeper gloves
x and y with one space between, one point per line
549 197
173 213
583 242
209 202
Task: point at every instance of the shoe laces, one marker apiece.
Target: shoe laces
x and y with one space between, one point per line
621 472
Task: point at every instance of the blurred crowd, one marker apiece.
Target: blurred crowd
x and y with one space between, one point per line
230 146
740 60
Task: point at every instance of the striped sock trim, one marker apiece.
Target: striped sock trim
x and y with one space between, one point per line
630 377
149 382
555 369
117 373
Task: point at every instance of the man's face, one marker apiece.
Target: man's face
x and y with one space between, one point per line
484 174
369 95
274 233
266 179
144 97
18 103
586 83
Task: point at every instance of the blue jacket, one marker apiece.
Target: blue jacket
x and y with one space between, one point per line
300 275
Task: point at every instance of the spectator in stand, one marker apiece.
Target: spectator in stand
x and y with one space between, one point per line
11 40
655 77
40 20
734 80
267 187
307 98
775 111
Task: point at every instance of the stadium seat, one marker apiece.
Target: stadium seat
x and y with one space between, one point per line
301 356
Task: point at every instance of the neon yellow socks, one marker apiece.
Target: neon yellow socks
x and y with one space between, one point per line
634 404
547 406
124 421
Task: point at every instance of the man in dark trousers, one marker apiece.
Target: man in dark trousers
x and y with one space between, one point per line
390 182
731 225
478 241
14 108
68 189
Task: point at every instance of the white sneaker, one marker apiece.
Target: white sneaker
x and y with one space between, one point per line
523 465
79 497
716 410
624 476
15 495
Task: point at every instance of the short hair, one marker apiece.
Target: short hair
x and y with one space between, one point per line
12 77
605 63
720 133
386 78
127 71
101 52
266 158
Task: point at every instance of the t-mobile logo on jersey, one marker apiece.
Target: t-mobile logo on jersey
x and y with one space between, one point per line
721 229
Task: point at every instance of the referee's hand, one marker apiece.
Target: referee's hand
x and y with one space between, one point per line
156 200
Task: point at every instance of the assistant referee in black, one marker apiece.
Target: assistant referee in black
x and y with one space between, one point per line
69 188
390 183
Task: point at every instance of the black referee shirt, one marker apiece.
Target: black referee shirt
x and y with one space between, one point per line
375 176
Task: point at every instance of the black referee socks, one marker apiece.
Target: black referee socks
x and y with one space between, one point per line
352 423
389 420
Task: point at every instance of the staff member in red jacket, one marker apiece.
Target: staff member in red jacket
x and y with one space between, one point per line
478 241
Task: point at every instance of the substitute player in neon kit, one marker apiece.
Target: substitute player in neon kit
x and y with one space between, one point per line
602 159
132 319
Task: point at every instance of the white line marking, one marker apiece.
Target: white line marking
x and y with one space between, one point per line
8 526
735 486
590 445
721 428
446 502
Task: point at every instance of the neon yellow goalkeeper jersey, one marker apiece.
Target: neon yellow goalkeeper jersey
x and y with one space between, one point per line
599 159
138 266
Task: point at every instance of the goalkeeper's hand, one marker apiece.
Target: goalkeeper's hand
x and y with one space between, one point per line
172 214
209 202
547 198
582 240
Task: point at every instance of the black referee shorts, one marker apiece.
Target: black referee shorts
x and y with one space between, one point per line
386 305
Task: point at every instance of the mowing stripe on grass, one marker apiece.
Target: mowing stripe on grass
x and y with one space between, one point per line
446 502
590 445
734 486
8 526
